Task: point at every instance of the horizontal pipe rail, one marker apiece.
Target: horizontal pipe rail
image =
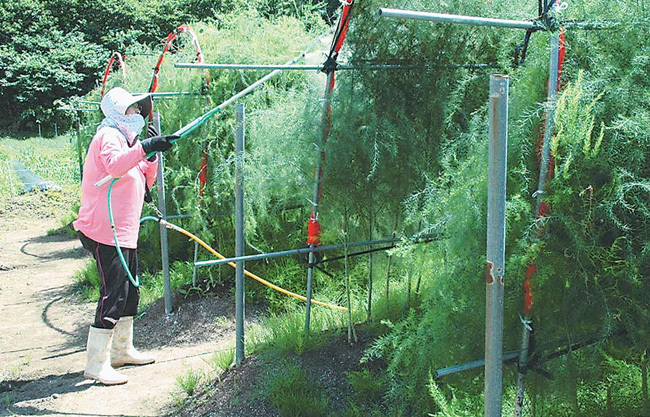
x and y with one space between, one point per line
512 356
321 67
508 357
75 109
303 250
172 94
465 20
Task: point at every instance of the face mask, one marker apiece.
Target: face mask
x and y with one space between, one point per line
129 124
114 106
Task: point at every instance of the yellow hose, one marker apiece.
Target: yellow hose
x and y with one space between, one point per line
250 274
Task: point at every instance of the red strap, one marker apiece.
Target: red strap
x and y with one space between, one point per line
120 61
528 299
203 173
562 53
168 41
314 229
343 30
313 232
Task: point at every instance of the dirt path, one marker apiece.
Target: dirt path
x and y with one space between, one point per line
44 325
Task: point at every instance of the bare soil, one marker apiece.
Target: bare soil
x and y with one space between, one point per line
44 326
240 392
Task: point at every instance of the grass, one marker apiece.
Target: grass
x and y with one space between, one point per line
222 360
53 159
285 333
66 222
366 386
187 383
294 393
87 281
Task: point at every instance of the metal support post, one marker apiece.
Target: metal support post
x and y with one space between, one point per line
541 184
465 20
550 116
326 120
79 157
196 258
496 233
239 233
162 206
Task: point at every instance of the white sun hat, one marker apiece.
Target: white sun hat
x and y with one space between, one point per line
118 100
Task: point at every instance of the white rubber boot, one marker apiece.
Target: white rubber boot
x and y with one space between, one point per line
123 352
98 366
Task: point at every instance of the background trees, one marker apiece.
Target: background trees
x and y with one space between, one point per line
56 49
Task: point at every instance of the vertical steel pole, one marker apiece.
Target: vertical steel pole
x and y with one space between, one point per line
496 233
550 116
162 206
326 121
543 176
239 234
81 165
196 258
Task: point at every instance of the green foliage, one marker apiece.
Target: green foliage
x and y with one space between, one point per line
40 64
153 285
295 393
286 333
454 407
88 281
222 360
366 397
50 158
47 55
366 385
590 250
189 381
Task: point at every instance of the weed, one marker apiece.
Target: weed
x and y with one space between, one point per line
180 400
295 394
66 228
222 321
366 386
189 381
87 280
222 360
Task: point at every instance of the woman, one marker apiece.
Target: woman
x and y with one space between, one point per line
116 151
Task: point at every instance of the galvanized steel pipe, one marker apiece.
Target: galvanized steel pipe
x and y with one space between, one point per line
496 242
464 20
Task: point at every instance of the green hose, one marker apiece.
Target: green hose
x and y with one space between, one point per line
145 218
135 281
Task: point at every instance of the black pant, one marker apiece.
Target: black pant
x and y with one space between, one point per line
118 296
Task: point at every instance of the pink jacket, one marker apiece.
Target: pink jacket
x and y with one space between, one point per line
109 154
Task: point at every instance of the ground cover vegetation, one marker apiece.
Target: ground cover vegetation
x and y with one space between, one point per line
407 155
